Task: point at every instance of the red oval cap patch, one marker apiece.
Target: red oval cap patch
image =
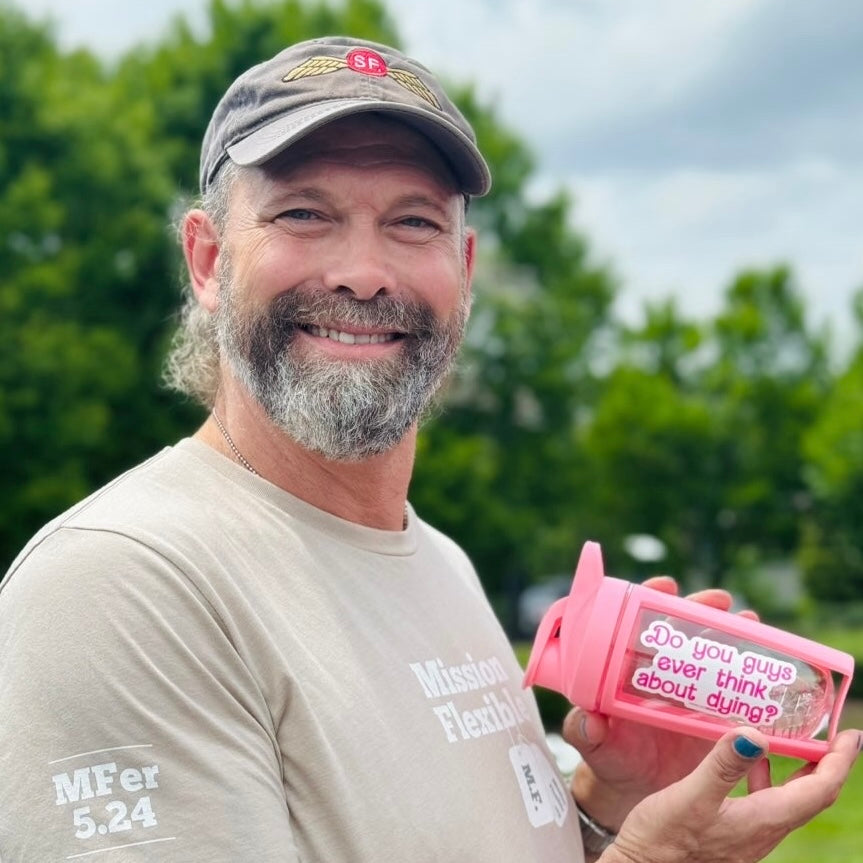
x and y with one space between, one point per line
367 62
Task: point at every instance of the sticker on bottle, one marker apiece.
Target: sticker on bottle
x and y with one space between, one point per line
545 798
714 677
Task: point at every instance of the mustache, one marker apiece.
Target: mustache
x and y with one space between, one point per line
298 308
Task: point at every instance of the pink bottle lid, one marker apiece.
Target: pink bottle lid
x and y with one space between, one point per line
575 637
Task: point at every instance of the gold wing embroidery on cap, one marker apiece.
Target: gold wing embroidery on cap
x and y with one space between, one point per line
315 66
411 82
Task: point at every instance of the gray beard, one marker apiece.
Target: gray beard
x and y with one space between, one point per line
345 410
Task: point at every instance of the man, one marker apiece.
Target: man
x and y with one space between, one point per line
250 648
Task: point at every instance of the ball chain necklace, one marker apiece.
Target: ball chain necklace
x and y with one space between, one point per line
244 462
240 457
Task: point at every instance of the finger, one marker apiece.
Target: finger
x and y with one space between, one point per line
805 770
584 730
812 792
662 583
749 614
841 743
732 758
714 597
759 777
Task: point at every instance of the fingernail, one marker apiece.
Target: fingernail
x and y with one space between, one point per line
582 728
746 748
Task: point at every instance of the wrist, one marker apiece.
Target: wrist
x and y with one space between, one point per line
603 803
595 837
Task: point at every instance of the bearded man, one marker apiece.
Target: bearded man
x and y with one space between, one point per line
250 648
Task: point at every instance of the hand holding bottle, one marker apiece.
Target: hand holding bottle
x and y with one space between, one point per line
625 761
644 775
695 821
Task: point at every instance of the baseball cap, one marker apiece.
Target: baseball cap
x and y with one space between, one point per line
278 102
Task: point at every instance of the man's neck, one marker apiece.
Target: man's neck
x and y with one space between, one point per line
370 492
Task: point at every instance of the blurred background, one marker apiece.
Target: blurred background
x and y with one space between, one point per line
666 352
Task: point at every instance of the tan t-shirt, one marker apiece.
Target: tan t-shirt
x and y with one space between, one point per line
196 665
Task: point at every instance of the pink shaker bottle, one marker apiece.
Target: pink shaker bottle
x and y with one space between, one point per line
626 650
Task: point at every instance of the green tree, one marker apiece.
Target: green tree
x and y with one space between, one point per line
831 553
772 373
697 436
654 446
83 200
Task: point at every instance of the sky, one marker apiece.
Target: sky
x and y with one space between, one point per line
697 138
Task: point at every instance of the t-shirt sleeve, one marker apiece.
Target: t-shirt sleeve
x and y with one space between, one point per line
128 720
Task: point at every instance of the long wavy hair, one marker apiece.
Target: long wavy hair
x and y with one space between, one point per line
192 364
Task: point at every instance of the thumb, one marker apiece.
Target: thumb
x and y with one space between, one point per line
584 730
733 756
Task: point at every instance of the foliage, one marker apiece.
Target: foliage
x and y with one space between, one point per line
831 554
83 200
697 435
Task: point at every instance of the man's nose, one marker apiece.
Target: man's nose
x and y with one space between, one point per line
360 264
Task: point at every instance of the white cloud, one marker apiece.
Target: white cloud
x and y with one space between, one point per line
112 26
688 233
571 66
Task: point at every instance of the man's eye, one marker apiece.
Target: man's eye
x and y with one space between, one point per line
298 215
417 222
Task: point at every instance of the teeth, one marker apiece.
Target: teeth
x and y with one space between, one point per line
350 338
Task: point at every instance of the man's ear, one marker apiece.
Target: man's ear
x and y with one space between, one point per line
201 249
470 242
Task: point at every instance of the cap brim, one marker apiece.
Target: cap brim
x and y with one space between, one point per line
462 154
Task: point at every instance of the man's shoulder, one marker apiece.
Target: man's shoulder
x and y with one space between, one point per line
153 488
441 541
441 546
166 493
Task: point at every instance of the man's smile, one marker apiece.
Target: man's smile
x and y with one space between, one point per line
351 338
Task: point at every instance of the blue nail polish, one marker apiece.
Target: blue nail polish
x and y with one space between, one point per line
745 747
